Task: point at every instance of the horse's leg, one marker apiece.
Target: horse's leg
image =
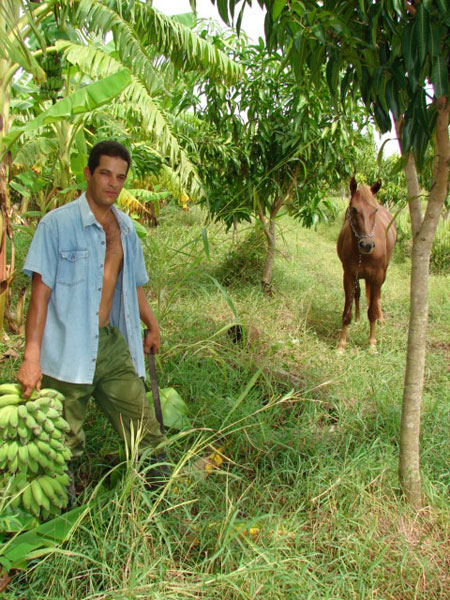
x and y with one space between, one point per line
347 313
380 312
374 312
357 297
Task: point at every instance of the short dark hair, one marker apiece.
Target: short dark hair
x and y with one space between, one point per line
108 148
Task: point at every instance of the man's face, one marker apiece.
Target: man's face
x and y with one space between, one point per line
106 182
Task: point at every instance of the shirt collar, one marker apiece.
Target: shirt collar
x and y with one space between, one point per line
87 216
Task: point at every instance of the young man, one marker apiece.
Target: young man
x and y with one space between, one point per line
83 333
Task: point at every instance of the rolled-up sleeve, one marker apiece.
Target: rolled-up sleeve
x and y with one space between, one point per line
42 255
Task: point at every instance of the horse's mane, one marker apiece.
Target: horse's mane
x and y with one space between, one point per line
365 194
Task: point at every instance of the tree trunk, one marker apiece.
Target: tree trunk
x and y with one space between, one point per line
409 461
266 280
412 184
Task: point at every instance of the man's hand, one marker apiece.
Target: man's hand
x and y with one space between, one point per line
152 340
29 377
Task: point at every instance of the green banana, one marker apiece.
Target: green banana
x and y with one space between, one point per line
66 454
63 479
14 417
30 421
11 432
40 416
44 447
23 455
57 434
60 460
22 430
48 488
45 513
4 416
35 508
56 444
62 424
31 406
22 411
11 453
45 501
36 490
33 465
50 393
26 498
13 465
52 413
10 388
48 426
37 430
33 450
3 452
44 436
10 399
43 461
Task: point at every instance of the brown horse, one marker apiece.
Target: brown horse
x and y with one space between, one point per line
364 246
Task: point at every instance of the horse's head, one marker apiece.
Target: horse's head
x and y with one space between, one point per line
361 214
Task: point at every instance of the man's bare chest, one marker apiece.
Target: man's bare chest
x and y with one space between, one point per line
114 250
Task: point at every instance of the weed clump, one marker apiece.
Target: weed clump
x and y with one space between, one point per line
243 264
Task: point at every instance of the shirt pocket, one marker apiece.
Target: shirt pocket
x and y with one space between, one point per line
72 267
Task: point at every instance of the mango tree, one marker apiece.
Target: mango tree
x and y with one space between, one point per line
395 56
273 144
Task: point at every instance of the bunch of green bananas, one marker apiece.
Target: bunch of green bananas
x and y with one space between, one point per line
33 457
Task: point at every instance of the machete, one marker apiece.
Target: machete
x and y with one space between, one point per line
155 390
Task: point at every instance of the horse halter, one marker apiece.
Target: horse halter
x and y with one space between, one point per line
360 236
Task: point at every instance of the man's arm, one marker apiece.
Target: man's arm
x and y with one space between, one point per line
30 374
152 339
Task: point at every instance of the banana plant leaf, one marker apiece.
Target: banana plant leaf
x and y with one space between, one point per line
82 101
174 409
15 553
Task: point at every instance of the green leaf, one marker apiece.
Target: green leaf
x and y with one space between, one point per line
16 552
277 8
439 77
206 242
222 6
409 47
84 100
392 96
422 31
435 40
225 294
140 229
174 409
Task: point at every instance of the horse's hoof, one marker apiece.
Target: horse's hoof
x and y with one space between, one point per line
373 349
340 350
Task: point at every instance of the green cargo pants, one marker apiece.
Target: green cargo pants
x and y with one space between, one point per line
117 390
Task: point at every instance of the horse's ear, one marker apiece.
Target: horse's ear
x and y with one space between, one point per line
376 186
353 186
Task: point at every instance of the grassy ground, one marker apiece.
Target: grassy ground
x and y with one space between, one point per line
305 503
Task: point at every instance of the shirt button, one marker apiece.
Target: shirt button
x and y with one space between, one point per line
100 266
99 289
103 243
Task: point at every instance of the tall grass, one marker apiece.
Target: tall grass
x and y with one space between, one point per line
305 501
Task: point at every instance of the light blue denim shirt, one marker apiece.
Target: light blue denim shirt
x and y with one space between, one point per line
68 250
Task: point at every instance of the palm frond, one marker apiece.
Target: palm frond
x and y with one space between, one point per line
34 151
137 101
98 17
138 26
